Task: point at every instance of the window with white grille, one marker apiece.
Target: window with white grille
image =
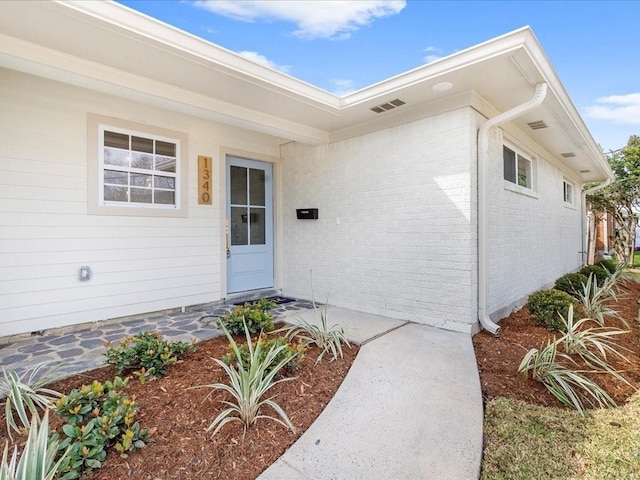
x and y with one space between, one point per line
138 169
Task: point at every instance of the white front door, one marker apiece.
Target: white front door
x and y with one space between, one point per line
250 224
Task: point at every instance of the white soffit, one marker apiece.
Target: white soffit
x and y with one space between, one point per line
108 47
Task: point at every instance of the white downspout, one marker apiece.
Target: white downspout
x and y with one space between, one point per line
585 240
483 173
605 229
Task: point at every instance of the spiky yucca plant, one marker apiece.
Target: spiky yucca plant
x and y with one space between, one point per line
249 382
25 393
592 344
37 461
570 387
594 298
324 337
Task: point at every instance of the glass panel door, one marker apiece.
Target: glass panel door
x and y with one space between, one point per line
248 206
250 217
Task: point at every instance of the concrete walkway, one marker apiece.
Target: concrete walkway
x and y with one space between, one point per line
410 408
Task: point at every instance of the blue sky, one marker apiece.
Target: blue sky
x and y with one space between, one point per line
342 46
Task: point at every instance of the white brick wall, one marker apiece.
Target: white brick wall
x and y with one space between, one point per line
396 233
532 239
398 226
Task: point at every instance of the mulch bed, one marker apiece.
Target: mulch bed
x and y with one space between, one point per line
181 449
499 358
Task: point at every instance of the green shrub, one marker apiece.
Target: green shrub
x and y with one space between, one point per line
599 272
571 283
547 306
610 265
97 417
294 352
265 304
256 317
147 352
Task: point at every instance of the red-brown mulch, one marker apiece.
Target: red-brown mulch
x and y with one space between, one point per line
499 358
181 449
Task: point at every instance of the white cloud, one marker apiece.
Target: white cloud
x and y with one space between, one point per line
432 54
342 86
262 60
620 109
334 19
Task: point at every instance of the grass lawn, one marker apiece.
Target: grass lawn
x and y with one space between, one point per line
524 441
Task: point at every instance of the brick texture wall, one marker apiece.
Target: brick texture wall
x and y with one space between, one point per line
396 228
533 238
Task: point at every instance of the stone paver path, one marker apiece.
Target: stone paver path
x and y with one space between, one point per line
83 349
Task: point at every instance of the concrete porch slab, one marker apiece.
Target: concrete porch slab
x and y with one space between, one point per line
359 327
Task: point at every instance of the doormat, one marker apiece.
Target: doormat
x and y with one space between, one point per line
278 300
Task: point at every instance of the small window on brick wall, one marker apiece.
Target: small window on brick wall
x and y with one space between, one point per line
568 192
517 168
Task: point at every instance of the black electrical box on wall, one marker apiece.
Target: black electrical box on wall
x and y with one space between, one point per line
307 213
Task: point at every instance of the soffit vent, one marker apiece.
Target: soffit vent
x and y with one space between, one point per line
385 107
568 155
537 125
585 171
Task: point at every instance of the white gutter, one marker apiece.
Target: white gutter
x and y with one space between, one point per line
605 235
483 173
585 240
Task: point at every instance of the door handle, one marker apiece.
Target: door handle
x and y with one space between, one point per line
226 238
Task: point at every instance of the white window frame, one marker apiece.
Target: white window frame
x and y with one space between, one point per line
133 170
97 125
531 187
521 160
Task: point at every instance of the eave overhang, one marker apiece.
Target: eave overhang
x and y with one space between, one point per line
107 47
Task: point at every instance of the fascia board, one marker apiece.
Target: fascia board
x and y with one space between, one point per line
504 45
34 59
140 27
173 39
586 140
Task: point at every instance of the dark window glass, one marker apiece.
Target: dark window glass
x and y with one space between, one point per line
509 158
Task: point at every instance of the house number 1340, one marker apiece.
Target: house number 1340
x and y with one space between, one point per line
204 180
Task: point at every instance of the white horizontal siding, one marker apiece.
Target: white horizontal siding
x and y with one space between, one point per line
82 256
28 180
28 205
106 286
47 193
102 279
98 244
139 264
53 272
